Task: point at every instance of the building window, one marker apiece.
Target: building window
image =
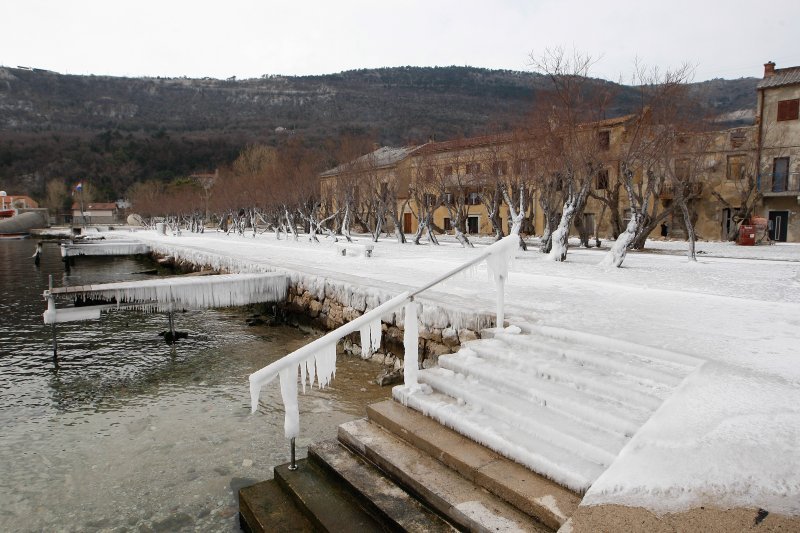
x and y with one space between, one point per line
499 168
447 198
602 180
446 224
626 217
522 167
473 168
429 199
473 198
735 167
788 109
429 174
780 174
604 140
448 170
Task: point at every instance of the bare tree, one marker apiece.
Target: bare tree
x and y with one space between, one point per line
453 185
56 196
424 197
571 108
650 135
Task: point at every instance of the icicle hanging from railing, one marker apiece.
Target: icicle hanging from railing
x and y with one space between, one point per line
370 338
104 248
291 420
410 345
193 292
326 365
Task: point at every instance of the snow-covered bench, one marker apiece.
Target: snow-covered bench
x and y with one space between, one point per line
362 249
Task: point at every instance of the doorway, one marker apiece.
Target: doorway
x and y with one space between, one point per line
473 223
778 225
406 222
727 223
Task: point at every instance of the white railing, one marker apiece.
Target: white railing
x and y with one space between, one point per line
318 358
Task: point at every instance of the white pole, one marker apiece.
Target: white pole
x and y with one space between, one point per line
499 282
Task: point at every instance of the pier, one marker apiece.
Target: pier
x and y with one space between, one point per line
162 295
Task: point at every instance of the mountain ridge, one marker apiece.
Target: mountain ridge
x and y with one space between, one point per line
212 119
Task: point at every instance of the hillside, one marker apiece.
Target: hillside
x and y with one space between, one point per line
119 130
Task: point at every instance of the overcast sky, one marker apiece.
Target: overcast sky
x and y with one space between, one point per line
249 38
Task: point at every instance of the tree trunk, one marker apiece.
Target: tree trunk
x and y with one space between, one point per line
692 255
616 254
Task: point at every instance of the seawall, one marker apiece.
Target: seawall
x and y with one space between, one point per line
327 303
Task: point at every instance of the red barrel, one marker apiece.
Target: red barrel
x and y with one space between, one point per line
747 235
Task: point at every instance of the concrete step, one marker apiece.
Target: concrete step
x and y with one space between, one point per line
324 501
463 502
383 497
549 503
266 507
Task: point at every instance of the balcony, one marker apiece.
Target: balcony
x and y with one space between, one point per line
781 185
690 190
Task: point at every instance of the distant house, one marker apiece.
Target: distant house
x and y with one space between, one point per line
11 201
95 213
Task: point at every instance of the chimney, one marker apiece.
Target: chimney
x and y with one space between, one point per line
769 69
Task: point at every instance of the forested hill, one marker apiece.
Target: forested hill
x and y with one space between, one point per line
119 130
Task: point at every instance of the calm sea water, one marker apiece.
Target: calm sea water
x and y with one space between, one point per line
130 434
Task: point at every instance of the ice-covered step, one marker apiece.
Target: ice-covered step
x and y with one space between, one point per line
564 398
681 363
557 464
608 383
655 373
586 441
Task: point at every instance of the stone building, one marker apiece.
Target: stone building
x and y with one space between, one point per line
778 150
729 176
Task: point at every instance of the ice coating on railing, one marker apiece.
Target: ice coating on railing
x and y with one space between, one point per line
502 257
193 292
410 345
498 257
104 248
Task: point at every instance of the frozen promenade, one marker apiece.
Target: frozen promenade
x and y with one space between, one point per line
726 434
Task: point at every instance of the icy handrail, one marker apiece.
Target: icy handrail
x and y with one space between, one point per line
318 358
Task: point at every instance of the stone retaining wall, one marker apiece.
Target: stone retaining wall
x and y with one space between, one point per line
327 304
329 312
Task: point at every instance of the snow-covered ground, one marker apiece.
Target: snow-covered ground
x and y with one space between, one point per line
727 435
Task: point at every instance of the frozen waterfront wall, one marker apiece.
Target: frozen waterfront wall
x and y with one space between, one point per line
331 303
